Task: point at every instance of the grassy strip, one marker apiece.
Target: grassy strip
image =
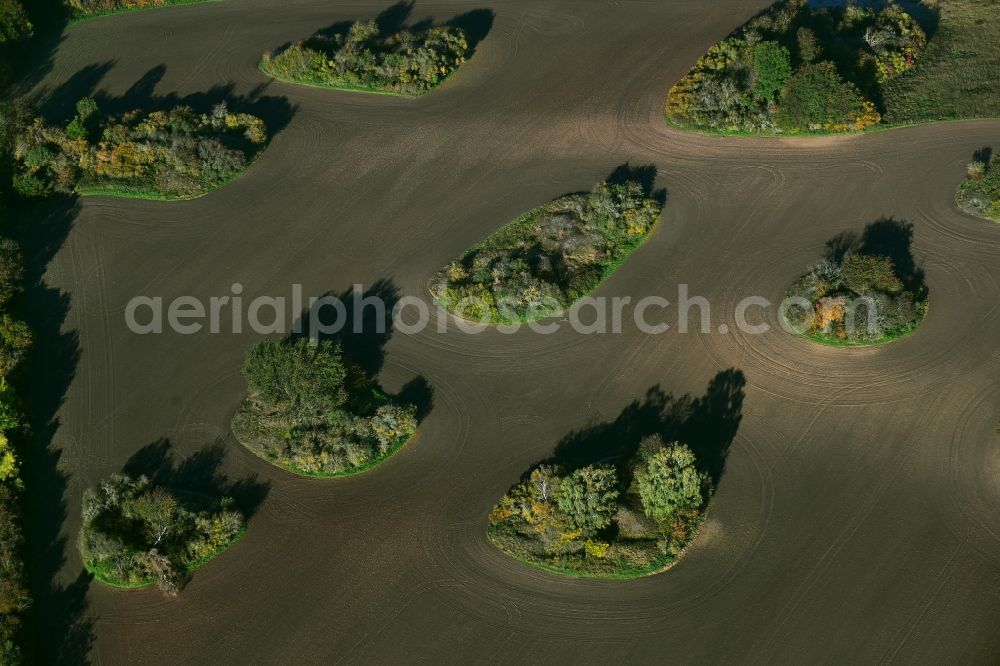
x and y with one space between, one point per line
871 129
126 192
141 193
623 570
956 77
374 462
349 87
626 572
104 575
80 17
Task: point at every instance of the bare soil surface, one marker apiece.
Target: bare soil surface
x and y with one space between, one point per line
856 519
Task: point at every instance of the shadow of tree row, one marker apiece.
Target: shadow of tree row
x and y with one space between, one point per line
58 104
707 424
56 628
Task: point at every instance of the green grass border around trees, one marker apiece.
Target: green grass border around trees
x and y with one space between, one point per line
396 447
131 155
873 273
637 215
626 571
99 573
609 270
76 16
892 336
379 56
632 515
344 87
315 414
141 194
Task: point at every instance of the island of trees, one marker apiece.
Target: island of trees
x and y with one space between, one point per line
979 193
361 58
136 533
798 69
551 256
314 413
611 521
175 154
865 291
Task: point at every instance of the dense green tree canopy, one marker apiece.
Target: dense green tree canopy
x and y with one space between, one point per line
668 482
772 66
864 273
817 96
136 532
306 376
310 411
588 497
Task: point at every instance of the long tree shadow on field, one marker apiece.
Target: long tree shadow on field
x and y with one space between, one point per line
58 104
200 472
56 628
60 632
360 321
707 424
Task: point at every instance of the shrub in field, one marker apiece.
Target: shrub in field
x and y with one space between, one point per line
311 412
162 154
548 258
979 193
865 292
406 62
796 69
605 520
136 533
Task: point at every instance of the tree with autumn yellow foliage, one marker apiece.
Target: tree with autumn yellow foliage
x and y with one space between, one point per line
797 68
171 154
362 58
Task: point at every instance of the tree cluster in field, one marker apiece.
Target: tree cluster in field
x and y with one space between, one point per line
605 520
15 340
136 533
979 193
861 292
406 62
549 257
799 69
311 412
161 154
